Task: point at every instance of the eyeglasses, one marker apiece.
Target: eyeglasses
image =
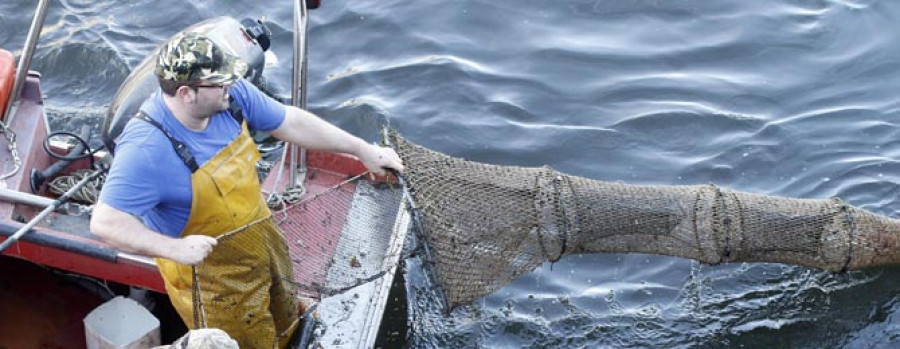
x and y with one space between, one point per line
224 87
209 86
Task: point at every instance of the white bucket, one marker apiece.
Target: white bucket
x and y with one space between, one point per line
121 323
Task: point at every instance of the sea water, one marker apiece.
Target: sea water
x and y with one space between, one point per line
793 98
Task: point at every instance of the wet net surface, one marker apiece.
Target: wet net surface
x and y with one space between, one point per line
484 225
245 287
339 238
328 243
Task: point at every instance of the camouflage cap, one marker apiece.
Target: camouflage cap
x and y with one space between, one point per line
192 57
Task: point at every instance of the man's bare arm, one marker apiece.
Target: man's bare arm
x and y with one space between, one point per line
309 131
127 233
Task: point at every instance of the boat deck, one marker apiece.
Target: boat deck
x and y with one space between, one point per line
63 240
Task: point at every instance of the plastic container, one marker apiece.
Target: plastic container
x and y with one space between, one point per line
121 323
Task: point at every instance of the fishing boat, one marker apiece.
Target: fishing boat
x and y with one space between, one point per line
56 271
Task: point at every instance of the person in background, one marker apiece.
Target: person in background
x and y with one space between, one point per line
184 174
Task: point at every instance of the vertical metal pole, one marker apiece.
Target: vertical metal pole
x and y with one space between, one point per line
298 98
298 86
25 60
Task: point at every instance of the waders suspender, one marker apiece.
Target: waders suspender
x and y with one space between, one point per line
180 148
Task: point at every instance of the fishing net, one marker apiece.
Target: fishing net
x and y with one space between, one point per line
339 238
245 287
329 242
484 225
336 238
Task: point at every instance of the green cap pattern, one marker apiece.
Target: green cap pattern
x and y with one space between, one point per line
192 57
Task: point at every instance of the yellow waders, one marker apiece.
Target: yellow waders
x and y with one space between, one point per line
244 283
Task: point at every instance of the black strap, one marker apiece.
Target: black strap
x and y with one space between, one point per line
180 148
236 112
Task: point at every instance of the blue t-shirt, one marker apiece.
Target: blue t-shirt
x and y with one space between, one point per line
149 180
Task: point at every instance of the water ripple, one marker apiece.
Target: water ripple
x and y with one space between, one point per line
793 98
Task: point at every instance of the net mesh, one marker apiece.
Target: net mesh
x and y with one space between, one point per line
242 288
332 240
339 238
484 224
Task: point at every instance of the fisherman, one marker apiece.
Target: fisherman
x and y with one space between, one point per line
184 175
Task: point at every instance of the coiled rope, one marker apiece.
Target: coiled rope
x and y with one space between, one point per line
88 193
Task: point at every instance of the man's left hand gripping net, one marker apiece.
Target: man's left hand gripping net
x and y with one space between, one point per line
484 225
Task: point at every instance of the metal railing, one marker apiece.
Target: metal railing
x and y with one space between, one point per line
25 61
298 87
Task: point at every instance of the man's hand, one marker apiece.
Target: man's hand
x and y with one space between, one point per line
309 131
126 233
378 159
192 249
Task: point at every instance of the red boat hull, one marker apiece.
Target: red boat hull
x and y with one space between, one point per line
40 310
